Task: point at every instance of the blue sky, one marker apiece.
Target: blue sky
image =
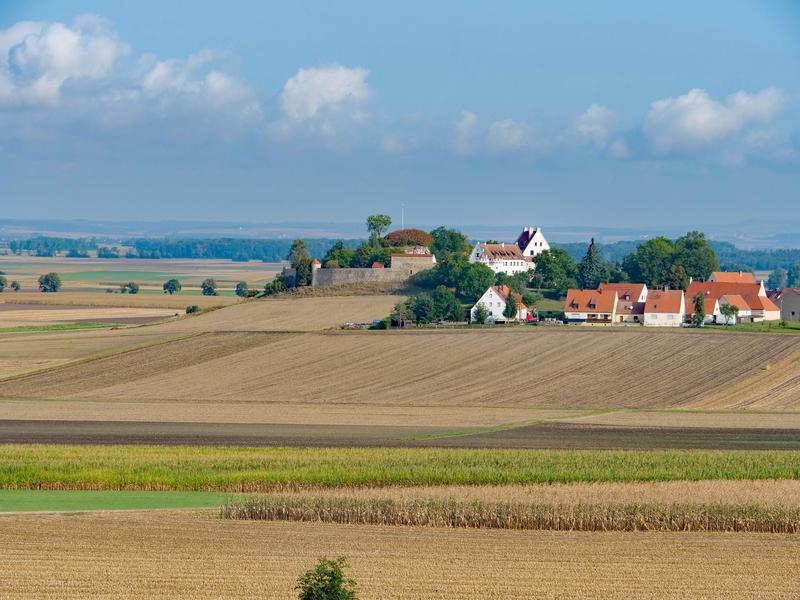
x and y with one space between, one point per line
623 113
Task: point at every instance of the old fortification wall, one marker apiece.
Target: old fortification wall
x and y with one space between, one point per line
329 277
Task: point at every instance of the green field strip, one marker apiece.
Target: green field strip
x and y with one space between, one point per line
56 327
77 500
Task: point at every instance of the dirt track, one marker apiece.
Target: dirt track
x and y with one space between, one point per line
515 368
539 436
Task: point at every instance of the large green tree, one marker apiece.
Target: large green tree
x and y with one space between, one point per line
695 255
592 270
209 287
422 308
376 226
50 282
338 256
555 270
511 309
448 241
171 286
778 279
650 262
793 276
445 305
301 262
699 317
474 281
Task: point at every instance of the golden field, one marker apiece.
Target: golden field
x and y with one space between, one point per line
520 368
195 555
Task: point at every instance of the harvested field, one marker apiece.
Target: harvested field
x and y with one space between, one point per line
12 315
292 314
515 368
179 554
688 419
753 506
101 298
564 436
25 352
270 469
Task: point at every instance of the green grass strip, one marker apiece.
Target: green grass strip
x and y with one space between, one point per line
55 327
71 500
254 469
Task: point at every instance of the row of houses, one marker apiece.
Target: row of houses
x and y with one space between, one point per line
633 303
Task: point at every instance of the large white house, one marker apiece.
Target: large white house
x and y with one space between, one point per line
494 300
511 258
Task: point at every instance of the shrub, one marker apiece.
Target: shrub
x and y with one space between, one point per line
192 308
16 286
129 288
326 581
481 314
50 282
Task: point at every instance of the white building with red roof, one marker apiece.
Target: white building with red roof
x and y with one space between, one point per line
495 300
501 258
591 307
753 294
665 308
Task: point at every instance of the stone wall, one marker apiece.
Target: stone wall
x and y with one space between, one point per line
329 277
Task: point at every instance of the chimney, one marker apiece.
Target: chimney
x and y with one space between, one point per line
691 279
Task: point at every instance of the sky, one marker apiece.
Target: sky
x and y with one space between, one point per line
625 113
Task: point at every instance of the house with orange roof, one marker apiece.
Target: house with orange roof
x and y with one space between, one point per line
501 258
631 298
744 312
732 277
665 308
591 307
495 300
754 295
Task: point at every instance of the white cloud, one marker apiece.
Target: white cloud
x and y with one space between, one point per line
37 59
316 90
464 136
619 149
509 135
594 124
695 119
392 143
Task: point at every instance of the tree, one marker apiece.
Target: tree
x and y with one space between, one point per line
730 312
171 286
555 270
376 225
475 279
695 255
50 282
409 237
591 270
3 283
531 299
400 314
517 282
778 279
448 241
699 317
480 315
129 288
326 581
511 309
445 305
209 287
676 278
277 285
301 262
242 289
422 308
650 262
16 286
793 276
338 256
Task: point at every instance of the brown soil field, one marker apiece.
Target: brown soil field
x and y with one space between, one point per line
275 413
291 314
689 419
99 298
25 352
27 315
514 368
194 555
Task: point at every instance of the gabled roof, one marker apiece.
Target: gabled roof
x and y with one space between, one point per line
660 301
526 236
733 277
634 290
504 292
591 301
712 291
735 300
501 252
316 262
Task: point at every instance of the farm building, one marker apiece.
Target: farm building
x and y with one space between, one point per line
501 258
495 299
665 308
591 307
761 308
789 302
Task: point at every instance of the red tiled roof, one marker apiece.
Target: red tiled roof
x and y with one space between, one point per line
502 251
378 265
504 292
668 301
634 290
736 300
713 290
591 301
733 277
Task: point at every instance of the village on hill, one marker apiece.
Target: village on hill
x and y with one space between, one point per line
664 283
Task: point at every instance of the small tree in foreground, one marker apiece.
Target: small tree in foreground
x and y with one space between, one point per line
171 286
50 282
699 310
730 312
481 314
326 581
510 311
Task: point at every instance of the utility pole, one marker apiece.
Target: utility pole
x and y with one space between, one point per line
403 215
